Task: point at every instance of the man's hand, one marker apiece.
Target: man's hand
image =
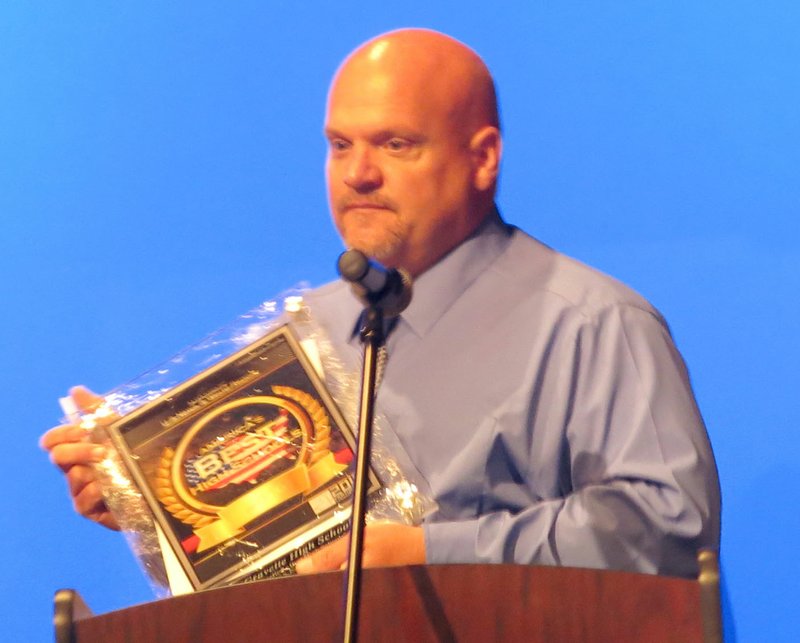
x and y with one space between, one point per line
71 450
385 545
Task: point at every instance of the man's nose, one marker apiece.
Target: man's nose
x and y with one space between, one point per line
362 173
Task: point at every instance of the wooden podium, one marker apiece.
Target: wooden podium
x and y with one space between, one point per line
423 603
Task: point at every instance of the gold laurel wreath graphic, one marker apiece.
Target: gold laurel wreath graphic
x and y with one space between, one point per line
319 418
318 448
165 493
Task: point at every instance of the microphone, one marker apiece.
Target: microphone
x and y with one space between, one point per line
384 288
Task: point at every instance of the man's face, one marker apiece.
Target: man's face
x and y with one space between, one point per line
399 169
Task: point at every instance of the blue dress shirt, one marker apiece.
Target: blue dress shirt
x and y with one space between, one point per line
548 409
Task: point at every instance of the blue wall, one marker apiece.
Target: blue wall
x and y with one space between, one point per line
161 172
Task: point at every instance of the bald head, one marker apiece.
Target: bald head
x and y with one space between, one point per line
414 147
433 65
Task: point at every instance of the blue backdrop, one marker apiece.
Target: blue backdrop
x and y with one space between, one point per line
161 172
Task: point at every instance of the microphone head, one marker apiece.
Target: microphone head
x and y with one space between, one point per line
353 265
374 285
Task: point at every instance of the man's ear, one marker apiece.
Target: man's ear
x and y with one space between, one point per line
486 147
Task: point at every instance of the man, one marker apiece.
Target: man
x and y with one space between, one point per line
544 403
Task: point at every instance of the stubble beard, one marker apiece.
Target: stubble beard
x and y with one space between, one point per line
379 234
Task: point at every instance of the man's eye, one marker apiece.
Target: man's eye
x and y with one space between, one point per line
338 145
397 144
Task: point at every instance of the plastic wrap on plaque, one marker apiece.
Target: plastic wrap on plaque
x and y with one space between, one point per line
231 460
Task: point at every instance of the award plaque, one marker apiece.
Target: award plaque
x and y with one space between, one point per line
245 466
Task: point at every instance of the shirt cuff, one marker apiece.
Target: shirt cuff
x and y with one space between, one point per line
450 542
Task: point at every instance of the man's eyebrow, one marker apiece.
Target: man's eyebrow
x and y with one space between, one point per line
330 132
395 132
380 135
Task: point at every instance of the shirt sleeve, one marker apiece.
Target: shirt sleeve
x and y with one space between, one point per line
642 492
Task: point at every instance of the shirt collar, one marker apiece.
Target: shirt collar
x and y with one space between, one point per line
442 284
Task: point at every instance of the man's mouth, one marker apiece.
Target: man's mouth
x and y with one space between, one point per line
354 202
365 206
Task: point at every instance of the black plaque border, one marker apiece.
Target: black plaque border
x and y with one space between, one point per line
238 569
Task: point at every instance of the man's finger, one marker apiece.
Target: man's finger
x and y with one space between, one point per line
62 433
69 454
78 477
328 558
90 504
85 399
89 500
